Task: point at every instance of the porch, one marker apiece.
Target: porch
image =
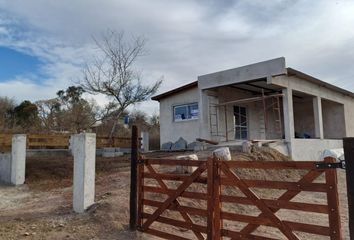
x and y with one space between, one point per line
259 111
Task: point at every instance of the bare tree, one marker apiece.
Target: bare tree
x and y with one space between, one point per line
113 73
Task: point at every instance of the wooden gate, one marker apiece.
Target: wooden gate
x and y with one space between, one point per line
238 200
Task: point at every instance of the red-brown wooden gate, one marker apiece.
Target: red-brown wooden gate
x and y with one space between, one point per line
201 205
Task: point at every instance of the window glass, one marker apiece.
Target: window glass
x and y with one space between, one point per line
241 128
185 112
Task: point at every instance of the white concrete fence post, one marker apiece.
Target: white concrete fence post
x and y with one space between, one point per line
18 159
145 141
84 152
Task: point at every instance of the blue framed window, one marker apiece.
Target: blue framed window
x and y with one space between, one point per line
185 112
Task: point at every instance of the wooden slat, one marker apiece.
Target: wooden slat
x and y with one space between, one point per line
333 201
301 227
247 219
210 201
189 210
241 236
308 228
177 223
218 221
140 193
186 194
175 177
174 162
49 141
271 164
164 235
295 186
277 204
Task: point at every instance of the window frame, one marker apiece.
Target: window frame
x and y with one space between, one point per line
186 105
241 127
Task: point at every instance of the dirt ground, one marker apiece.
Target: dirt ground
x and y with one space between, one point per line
42 208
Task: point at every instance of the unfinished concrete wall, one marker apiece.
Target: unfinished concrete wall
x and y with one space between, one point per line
255 115
13 165
323 92
5 168
244 73
312 149
254 111
170 130
333 119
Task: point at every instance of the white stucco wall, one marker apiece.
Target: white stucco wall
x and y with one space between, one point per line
170 130
312 149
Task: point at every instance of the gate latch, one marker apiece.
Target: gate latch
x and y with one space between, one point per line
340 164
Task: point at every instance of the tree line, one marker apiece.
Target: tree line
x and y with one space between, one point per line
68 112
110 72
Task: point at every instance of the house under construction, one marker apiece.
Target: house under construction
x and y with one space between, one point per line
264 102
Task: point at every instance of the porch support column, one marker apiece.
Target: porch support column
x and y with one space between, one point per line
317 110
204 131
84 151
288 114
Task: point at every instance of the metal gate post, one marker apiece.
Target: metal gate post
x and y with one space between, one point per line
133 180
348 144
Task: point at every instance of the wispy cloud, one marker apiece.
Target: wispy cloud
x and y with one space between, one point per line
185 38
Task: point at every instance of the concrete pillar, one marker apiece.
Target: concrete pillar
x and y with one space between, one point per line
317 110
288 114
84 152
18 159
204 131
145 141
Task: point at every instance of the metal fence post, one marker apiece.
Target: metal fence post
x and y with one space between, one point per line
348 144
133 179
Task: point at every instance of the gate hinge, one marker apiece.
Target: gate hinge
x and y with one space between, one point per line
140 161
340 164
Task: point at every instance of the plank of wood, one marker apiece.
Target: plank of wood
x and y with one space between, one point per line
175 177
271 164
177 223
277 204
189 210
210 200
333 201
295 186
164 235
240 236
185 194
309 228
174 162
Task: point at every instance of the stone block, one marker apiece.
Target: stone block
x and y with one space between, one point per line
180 144
166 146
186 169
222 153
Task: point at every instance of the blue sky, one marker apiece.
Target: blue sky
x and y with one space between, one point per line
43 44
14 63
